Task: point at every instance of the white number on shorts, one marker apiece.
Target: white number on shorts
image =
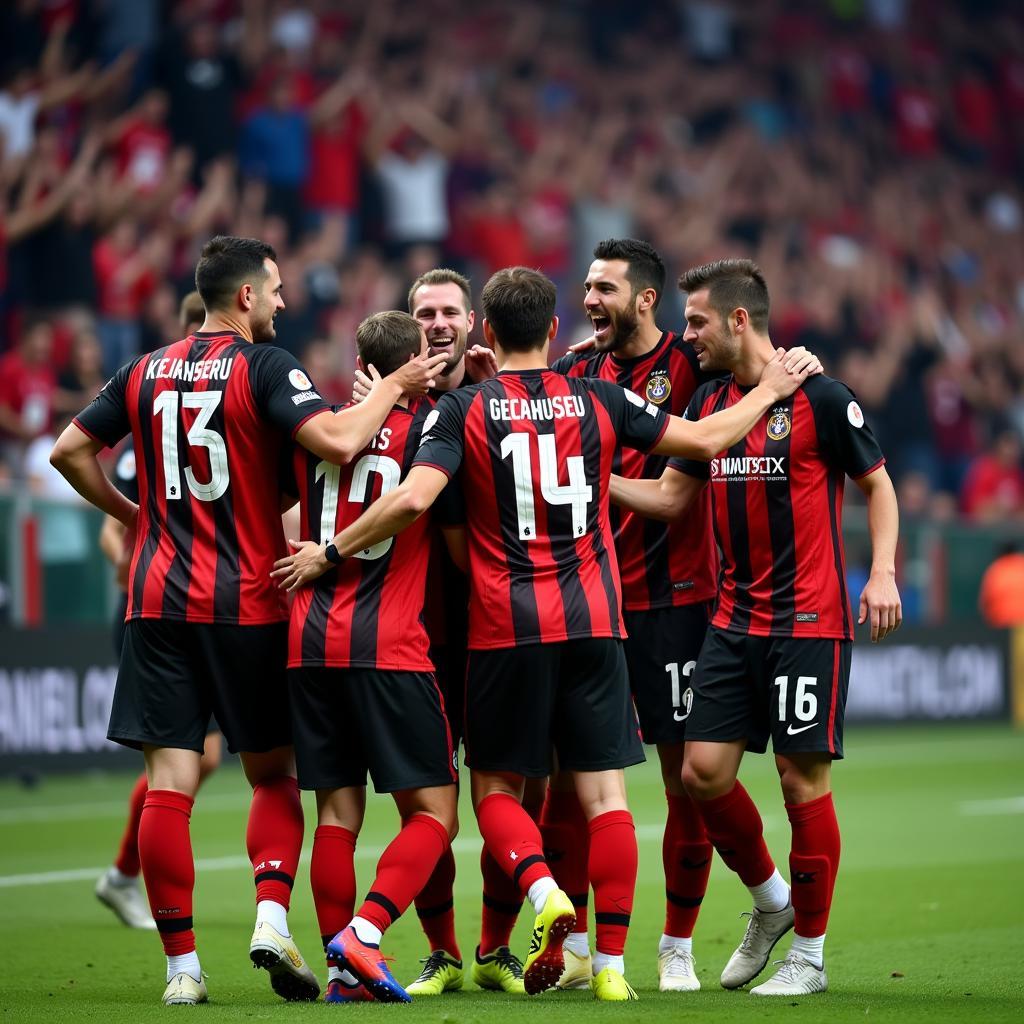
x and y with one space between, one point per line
390 474
679 698
577 492
166 407
805 704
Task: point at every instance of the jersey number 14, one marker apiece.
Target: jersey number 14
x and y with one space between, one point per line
577 493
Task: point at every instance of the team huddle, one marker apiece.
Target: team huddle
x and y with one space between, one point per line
519 557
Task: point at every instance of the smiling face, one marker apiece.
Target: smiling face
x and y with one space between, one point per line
440 310
713 341
267 305
611 304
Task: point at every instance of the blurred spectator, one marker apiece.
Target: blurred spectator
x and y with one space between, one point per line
27 386
994 488
1001 598
82 378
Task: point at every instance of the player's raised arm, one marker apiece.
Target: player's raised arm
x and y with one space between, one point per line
713 434
880 599
339 438
666 498
389 515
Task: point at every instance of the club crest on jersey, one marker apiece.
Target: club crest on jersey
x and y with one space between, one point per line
659 387
778 425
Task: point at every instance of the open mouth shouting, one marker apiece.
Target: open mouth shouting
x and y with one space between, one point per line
602 326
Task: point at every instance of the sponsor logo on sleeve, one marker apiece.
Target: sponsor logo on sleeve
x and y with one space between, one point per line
306 396
428 425
855 415
299 380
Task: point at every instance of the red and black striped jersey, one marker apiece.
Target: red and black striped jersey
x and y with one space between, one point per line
534 451
208 417
367 612
777 502
662 564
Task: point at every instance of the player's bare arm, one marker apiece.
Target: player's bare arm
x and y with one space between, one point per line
666 498
74 456
713 434
340 437
880 599
387 516
458 546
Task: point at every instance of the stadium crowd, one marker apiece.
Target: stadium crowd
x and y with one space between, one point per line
867 153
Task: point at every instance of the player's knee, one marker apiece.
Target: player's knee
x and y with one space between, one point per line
704 780
802 783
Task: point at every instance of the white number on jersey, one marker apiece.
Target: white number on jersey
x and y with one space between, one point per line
166 407
577 493
390 473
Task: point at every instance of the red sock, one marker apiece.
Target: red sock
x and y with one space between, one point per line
512 838
567 848
613 862
165 851
128 855
403 869
502 899
274 837
435 906
813 863
686 855
735 829
501 903
332 877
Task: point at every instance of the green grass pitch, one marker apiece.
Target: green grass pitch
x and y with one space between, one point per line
928 921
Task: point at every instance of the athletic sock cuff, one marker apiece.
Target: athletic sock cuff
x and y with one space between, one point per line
339 832
431 822
811 809
610 818
171 799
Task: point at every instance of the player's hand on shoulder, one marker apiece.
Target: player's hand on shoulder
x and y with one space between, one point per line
781 381
799 360
880 600
416 377
481 363
306 564
583 346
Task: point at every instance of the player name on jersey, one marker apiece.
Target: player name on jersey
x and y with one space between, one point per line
186 369
556 407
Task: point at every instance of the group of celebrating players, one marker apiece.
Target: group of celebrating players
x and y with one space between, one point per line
519 556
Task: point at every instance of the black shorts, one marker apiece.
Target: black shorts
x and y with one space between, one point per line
572 696
661 653
790 688
350 721
450 667
174 675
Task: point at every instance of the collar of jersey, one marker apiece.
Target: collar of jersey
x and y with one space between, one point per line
633 360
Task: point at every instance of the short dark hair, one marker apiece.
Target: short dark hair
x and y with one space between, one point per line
388 339
226 263
442 275
646 267
519 304
191 310
731 283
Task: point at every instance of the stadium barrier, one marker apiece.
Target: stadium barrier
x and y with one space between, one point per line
56 686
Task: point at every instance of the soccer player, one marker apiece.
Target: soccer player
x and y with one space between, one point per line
357 641
668 582
776 660
206 627
441 301
534 451
118 886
